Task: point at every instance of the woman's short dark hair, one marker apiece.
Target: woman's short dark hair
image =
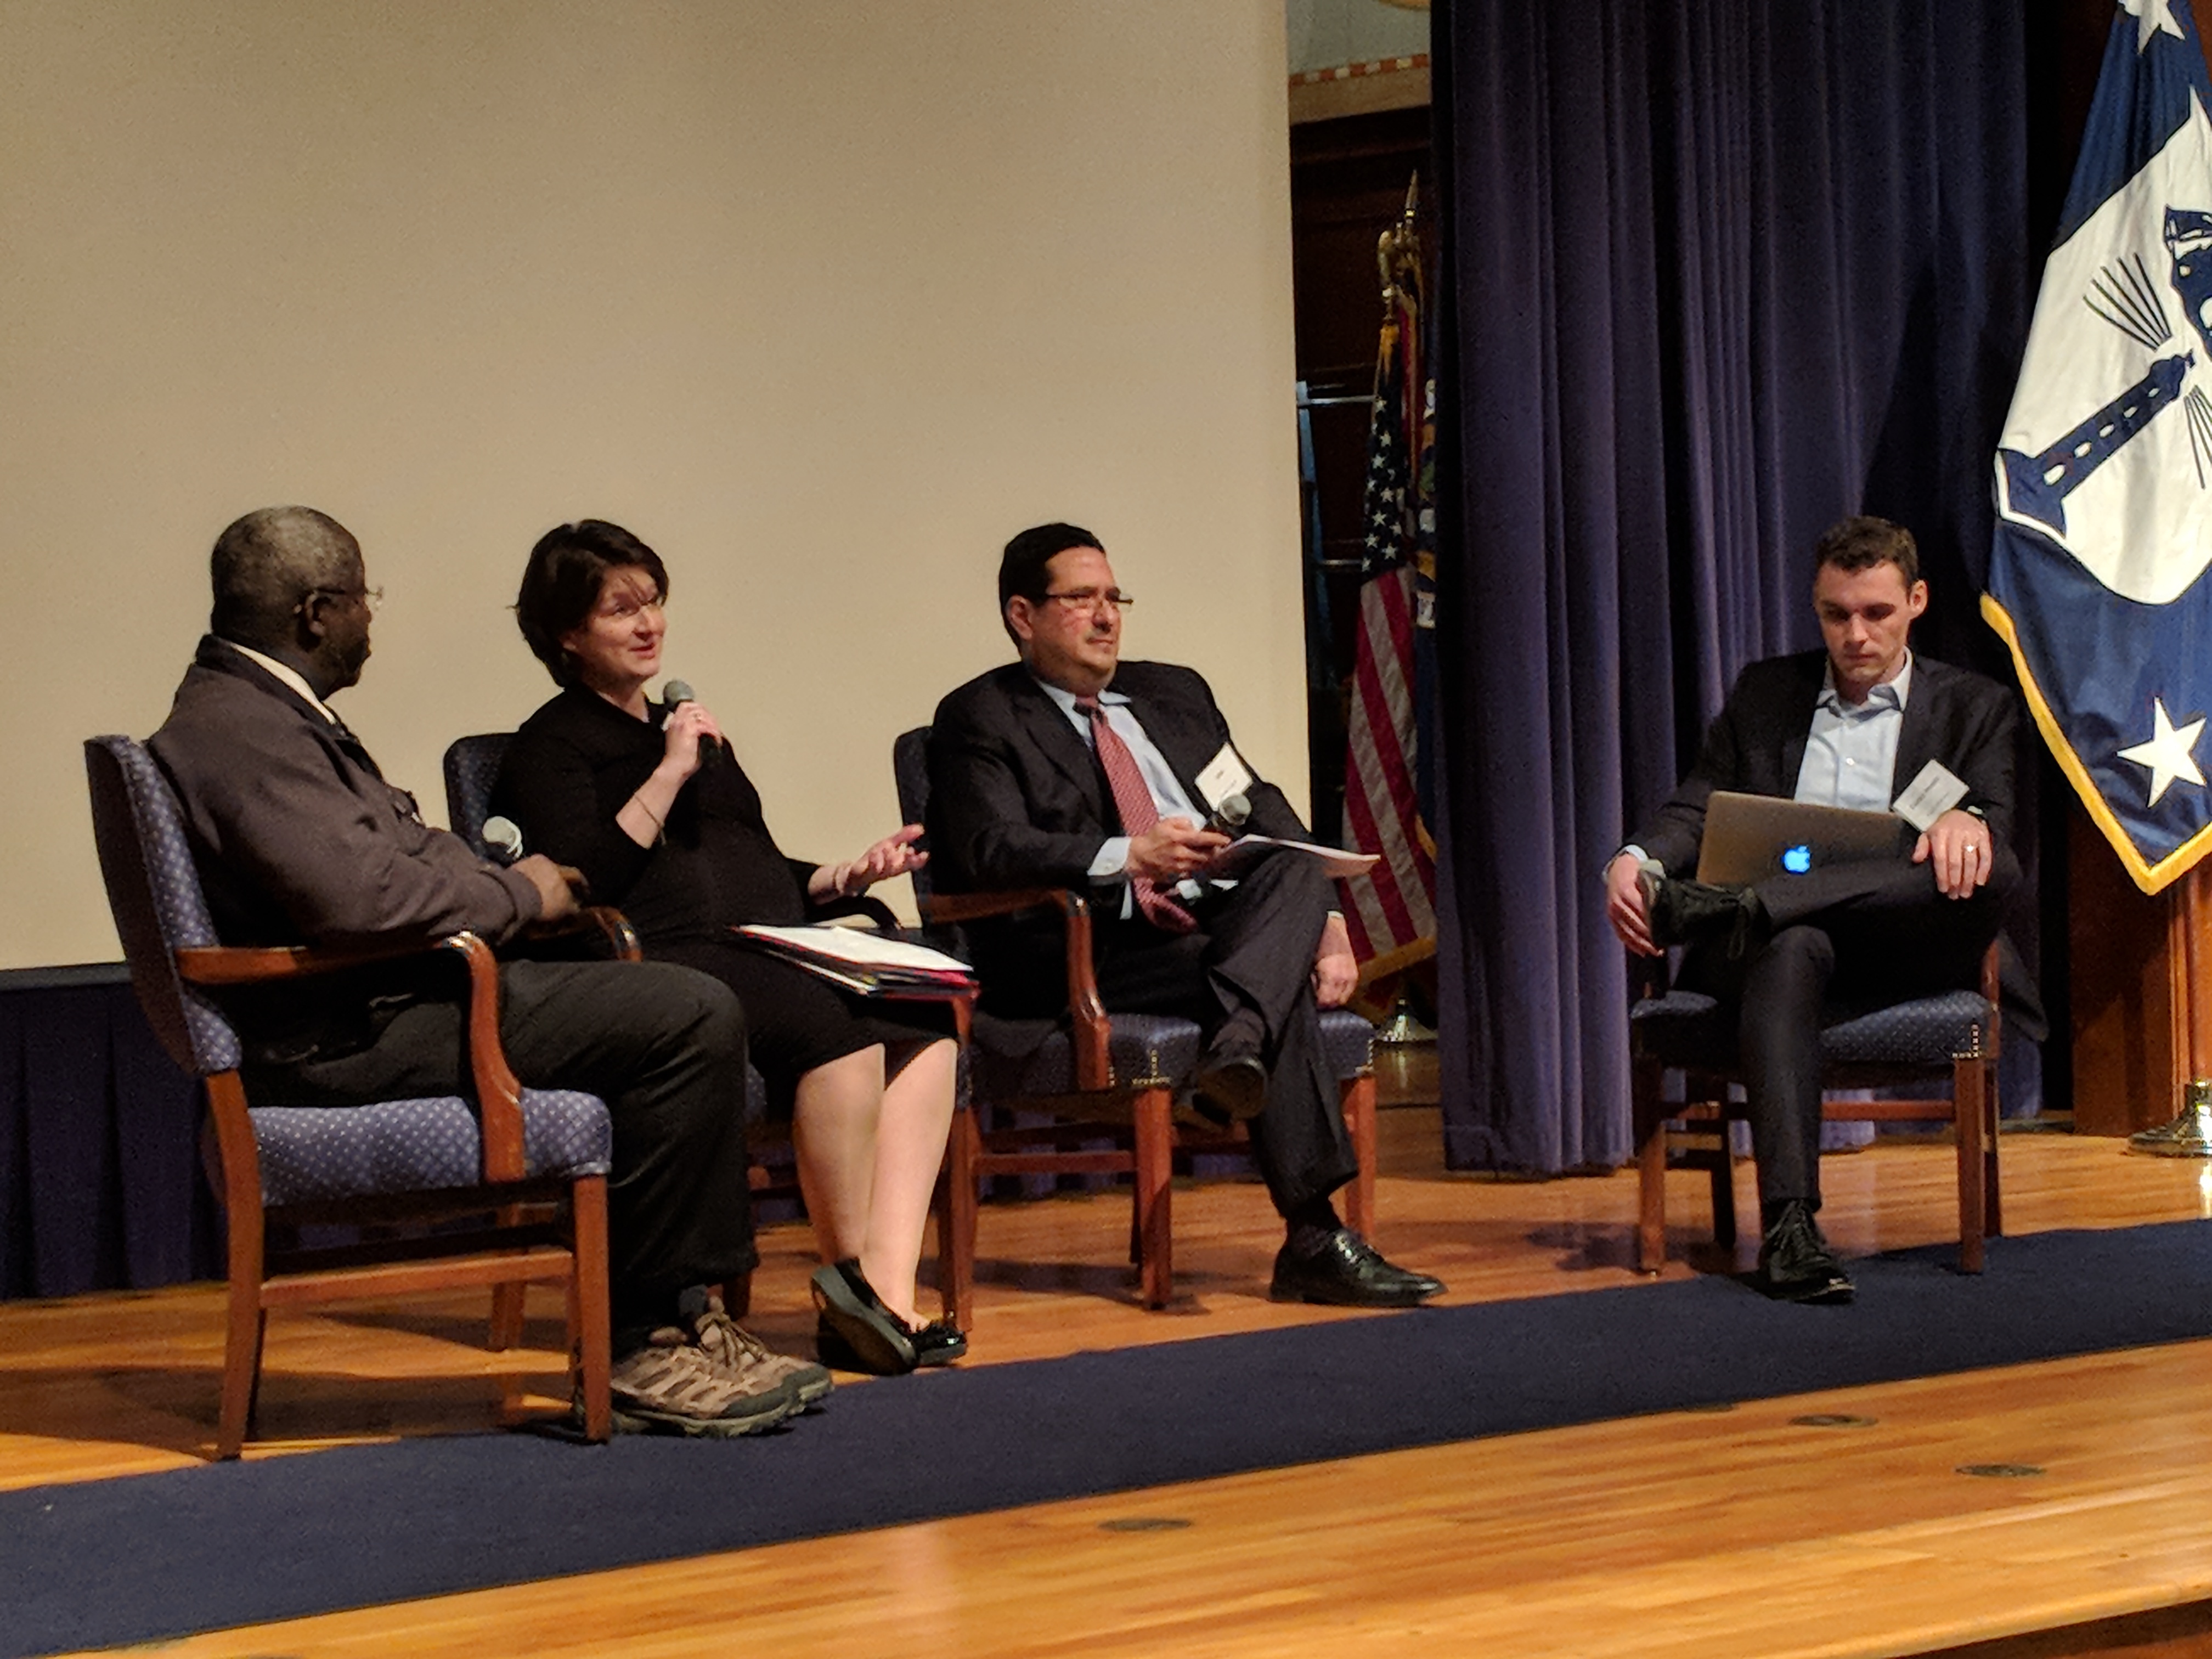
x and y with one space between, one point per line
1861 542
561 585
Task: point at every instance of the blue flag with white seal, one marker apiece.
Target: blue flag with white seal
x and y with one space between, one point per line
2098 578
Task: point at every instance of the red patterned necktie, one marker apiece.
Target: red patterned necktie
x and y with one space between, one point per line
1133 801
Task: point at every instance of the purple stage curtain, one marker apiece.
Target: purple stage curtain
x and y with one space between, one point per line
1715 273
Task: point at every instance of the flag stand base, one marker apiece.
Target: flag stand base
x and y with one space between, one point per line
1401 1027
2188 1135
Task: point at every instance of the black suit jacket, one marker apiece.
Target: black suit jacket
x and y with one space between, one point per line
1757 744
1016 797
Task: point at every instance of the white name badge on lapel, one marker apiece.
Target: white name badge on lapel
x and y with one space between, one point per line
1224 775
1934 793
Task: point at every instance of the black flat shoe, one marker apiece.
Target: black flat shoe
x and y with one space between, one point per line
1347 1272
868 1336
939 1343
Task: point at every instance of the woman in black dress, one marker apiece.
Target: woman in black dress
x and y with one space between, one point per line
647 801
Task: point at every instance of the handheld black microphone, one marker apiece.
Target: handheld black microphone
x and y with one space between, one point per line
1231 815
504 837
679 692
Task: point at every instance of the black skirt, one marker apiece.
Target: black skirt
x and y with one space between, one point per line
796 1021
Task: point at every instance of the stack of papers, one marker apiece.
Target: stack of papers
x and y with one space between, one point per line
869 964
1247 850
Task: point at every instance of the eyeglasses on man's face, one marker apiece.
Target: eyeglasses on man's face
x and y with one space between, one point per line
1091 599
371 599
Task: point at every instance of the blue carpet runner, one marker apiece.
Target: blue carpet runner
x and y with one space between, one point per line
148 1557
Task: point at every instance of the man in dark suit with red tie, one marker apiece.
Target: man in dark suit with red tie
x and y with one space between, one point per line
1857 724
1074 768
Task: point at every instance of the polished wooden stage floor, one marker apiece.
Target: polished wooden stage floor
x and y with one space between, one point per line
1825 1525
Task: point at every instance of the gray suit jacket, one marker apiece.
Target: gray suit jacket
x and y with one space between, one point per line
298 839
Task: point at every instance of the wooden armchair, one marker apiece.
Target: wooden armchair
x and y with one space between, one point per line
1101 1076
1952 1037
525 1169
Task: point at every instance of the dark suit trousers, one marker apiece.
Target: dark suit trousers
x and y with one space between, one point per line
1845 941
1255 948
663 1046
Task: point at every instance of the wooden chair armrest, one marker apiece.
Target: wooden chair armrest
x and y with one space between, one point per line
499 1096
857 904
600 924
246 964
1011 902
1090 1028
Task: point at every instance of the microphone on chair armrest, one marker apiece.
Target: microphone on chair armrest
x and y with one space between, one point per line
504 837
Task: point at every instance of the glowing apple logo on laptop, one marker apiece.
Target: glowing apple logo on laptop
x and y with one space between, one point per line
1797 860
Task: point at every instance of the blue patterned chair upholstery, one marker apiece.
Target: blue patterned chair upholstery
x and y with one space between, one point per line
1094 1096
525 1154
1951 1038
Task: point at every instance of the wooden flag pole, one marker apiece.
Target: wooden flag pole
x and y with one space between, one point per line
2188 962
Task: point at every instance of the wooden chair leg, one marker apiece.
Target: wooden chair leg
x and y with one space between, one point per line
1992 1190
1155 1168
247 1324
506 1299
1356 1100
1970 1115
737 1296
1650 1121
591 1313
955 1220
1723 1185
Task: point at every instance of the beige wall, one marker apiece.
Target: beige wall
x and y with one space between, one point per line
824 299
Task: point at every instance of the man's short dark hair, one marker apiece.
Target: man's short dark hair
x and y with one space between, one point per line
561 585
266 563
1861 542
1022 566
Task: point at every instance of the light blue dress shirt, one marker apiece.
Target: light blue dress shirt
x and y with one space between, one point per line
1851 752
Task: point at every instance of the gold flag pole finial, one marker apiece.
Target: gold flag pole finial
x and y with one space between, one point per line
1398 253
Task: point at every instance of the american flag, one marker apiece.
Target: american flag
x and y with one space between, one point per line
1391 910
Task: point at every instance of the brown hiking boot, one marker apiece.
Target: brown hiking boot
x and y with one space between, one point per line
743 1356
674 1385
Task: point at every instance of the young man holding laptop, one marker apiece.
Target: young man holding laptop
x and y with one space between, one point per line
1863 725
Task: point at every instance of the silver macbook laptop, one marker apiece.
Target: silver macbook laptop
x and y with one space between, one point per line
1755 837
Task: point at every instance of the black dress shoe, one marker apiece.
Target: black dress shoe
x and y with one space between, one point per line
1347 1272
1692 912
1230 1083
854 1331
1795 1262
